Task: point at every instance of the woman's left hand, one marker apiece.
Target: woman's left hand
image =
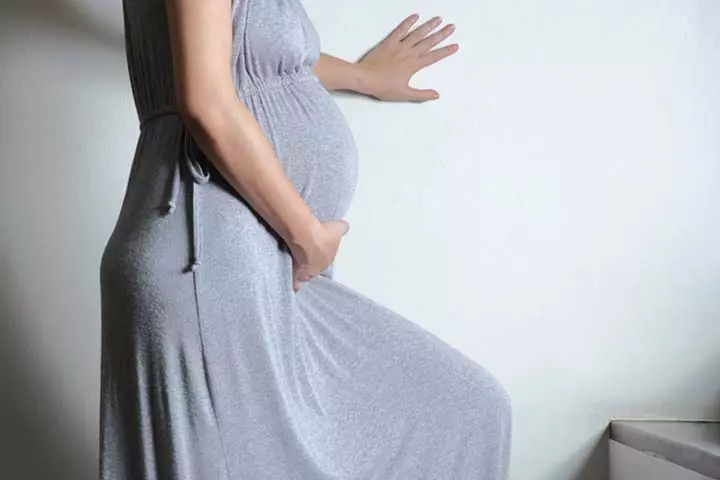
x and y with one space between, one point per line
387 68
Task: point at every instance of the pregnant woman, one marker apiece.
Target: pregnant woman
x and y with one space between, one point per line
228 350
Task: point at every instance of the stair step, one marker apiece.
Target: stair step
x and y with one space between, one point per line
695 446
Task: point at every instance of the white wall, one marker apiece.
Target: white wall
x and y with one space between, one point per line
554 216
67 134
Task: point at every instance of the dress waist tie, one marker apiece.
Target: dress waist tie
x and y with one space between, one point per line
199 174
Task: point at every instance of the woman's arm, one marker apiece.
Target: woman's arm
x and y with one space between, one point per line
385 71
230 136
338 74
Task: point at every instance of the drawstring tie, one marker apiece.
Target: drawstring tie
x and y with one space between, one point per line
199 173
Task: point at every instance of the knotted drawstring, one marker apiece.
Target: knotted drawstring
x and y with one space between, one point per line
199 173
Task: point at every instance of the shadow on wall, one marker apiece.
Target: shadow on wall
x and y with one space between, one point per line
598 463
82 17
37 440
34 444
589 461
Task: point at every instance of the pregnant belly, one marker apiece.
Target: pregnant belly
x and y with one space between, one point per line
312 141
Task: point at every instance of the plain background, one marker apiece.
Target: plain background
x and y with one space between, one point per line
554 215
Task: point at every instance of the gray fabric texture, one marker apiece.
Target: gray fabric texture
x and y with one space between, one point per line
212 366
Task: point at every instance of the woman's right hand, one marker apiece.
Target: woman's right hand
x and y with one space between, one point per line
314 254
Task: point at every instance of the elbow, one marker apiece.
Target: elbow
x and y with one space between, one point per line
206 117
207 123
200 116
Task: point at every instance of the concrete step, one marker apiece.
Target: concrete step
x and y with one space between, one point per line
652 450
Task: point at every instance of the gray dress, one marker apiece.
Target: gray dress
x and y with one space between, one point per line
212 366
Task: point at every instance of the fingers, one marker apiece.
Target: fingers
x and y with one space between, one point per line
299 275
403 28
434 56
432 40
339 226
421 95
298 281
422 31
310 268
346 226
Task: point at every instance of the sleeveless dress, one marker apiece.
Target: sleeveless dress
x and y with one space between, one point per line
212 366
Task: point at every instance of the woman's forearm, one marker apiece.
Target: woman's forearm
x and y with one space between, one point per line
338 74
236 145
